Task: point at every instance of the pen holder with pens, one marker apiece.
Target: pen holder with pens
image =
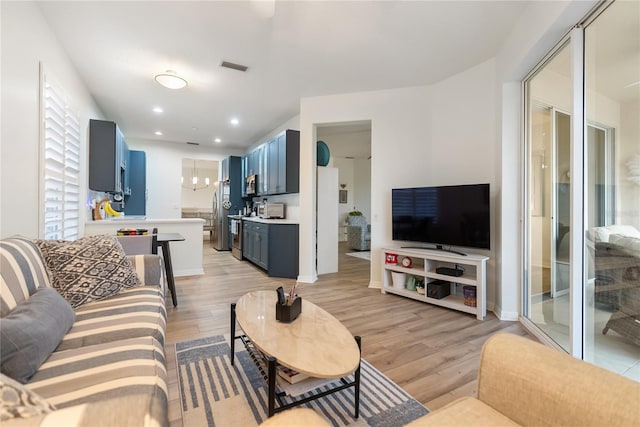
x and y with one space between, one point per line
288 313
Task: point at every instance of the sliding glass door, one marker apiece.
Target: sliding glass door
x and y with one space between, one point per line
582 264
549 106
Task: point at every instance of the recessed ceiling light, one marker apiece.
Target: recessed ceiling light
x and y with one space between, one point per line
234 121
171 80
217 140
158 133
158 110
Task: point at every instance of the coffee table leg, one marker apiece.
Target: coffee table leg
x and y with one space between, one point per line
357 379
271 381
233 331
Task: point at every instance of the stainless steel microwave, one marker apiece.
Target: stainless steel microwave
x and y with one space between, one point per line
250 185
271 210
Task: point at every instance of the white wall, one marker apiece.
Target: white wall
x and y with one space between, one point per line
362 186
293 123
164 169
477 115
26 41
346 177
203 197
417 139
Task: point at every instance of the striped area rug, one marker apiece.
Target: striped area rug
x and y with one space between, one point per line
214 393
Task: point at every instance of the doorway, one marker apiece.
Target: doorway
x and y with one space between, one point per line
349 145
199 185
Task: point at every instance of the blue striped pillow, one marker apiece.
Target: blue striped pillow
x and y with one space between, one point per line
22 272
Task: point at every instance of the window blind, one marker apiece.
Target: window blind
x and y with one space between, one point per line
61 165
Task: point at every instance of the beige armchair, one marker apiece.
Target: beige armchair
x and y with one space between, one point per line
522 382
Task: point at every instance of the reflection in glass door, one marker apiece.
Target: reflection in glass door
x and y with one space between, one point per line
561 214
611 303
549 178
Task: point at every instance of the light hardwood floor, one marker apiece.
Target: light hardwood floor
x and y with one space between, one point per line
431 352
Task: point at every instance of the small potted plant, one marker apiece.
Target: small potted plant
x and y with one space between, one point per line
420 287
353 217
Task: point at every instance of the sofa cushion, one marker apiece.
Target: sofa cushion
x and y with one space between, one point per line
17 401
88 269
22 272
461 412
139 410
97 372
149 269
535 385
133 313
32 331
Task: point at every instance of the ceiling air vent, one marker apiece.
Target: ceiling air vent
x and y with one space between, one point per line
233 66
193 143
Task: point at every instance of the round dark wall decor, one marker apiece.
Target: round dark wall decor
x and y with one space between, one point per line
323 153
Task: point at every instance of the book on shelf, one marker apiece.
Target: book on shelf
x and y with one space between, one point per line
291 376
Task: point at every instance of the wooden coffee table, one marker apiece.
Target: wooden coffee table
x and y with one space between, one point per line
315 344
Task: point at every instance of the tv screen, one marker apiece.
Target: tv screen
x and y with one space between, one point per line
455 215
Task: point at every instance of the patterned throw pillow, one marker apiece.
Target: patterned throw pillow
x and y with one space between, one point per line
88 269
17 401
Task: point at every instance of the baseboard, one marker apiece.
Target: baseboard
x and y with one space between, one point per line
510 316
375 284
307 279
193 272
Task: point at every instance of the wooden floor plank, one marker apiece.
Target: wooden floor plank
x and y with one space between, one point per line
432 352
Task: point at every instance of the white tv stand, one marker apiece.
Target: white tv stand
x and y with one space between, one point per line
424 264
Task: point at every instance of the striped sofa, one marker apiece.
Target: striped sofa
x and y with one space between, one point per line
109 368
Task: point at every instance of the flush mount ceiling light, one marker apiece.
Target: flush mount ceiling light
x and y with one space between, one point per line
234 122
157 110
217 140
158 133
171 80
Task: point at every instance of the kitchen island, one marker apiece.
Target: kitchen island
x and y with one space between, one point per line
186 256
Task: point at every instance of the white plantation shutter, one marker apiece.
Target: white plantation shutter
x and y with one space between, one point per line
60 165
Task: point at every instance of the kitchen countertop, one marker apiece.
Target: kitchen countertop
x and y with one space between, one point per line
128 220
186 256
265 220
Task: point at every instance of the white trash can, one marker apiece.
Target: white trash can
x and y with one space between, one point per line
399 280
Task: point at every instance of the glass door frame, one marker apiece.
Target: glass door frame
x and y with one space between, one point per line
577 315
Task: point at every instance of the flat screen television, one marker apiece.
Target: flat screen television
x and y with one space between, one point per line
453 215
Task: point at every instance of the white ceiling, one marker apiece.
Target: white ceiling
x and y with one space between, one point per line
293 49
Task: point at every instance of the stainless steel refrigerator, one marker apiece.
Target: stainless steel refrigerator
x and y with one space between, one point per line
228 197
221 205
